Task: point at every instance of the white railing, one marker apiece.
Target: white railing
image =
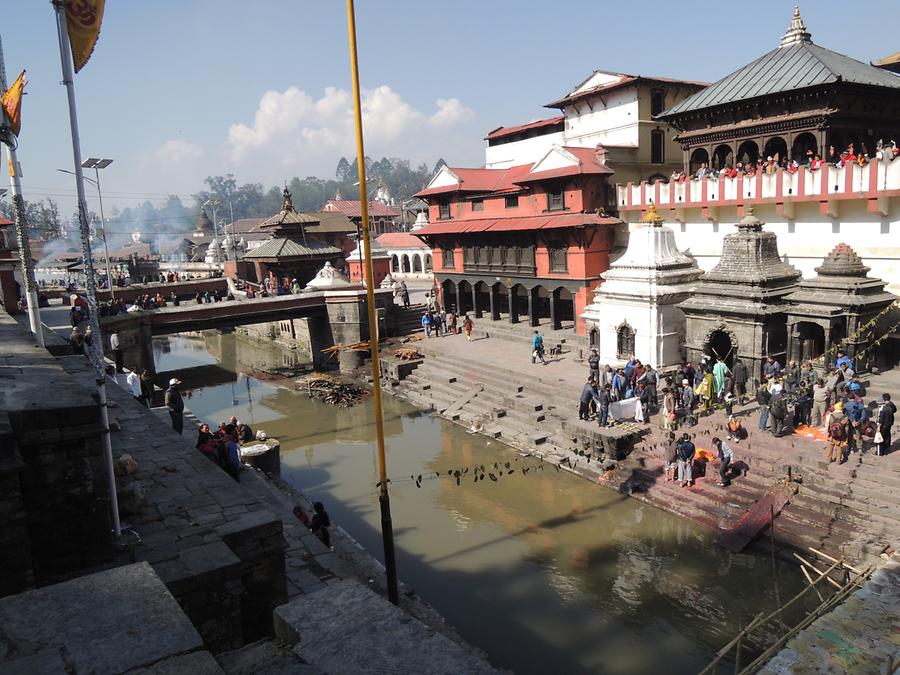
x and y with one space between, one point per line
851 181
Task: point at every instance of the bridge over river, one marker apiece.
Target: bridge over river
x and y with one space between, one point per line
330 317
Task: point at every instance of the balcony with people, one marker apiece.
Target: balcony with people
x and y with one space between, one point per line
748 176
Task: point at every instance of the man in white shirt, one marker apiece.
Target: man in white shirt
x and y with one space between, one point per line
134 386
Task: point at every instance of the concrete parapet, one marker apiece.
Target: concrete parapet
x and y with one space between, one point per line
135 623
347 628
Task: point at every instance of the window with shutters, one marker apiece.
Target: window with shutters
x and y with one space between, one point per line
559 259
556 198
444 210
447 259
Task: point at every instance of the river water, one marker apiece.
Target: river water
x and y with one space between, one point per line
542 570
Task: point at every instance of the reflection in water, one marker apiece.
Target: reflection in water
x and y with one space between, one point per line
542 570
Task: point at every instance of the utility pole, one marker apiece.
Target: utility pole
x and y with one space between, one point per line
28 284
387 528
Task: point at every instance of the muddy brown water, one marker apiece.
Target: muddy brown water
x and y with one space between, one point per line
543 570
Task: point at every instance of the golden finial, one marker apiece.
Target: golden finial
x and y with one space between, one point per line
652 217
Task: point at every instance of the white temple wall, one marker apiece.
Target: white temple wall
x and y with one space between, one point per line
659 330
805 240
526 151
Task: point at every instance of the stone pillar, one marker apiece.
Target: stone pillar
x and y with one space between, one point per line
555 323
513 310
475 308
459 303
532 307
495 303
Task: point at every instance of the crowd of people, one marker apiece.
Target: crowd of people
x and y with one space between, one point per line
811 161
440 322
787 397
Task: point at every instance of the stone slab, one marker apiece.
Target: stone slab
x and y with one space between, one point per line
135 623
195 663
347 628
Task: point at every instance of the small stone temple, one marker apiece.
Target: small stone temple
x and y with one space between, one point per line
635 310
740 306
290 253
833 306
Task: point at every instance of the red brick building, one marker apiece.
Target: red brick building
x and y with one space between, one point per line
525 243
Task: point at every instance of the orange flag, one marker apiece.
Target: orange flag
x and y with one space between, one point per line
12 103
83 19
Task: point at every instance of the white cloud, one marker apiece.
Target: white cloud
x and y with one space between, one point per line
292 131
177 151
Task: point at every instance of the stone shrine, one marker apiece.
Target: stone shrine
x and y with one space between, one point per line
635 312
833 306
740 306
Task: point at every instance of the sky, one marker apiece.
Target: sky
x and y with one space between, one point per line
181 89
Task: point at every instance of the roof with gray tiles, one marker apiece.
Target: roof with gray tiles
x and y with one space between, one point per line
797 63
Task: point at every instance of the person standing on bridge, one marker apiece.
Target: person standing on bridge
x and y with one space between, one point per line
175 404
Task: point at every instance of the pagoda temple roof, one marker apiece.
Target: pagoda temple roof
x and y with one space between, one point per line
797 63
283 247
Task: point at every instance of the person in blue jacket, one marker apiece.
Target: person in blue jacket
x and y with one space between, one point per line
537 348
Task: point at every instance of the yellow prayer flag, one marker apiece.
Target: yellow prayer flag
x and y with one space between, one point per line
83 19
12 103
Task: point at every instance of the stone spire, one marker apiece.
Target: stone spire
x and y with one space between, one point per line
843 261
796 32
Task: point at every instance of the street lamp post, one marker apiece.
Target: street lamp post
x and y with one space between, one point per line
96 165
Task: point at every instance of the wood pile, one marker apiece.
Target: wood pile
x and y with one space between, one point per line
407 354
331 390
355 347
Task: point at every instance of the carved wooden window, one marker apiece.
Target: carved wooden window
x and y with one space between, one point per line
468 255
478 205
556 198
444 211
657 147
559 260
447 259
657 101
512 201
624 341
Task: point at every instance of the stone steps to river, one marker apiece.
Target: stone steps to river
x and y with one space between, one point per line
846 510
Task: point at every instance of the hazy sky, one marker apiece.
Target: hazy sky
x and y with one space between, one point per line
180 89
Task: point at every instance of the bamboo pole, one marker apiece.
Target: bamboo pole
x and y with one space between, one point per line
830 559
758 622
387 532
818 571
810 618
809 579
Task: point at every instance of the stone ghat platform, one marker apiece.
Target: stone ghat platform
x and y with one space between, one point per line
847 511
203 562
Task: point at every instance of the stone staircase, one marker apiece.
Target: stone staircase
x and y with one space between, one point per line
523 332
409 320
535 416
848 510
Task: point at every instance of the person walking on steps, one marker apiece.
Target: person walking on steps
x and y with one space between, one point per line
467 327
885 421
537 348
741 377
763 398
726 457
175 404
588 394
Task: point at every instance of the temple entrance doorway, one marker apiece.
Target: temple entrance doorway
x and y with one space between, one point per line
720 348
810 341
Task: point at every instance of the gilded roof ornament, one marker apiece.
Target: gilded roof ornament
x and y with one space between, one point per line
796 32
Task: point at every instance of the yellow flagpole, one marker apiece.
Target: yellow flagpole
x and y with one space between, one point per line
387 531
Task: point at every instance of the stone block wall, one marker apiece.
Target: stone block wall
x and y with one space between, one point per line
57 481
16 573
258 542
